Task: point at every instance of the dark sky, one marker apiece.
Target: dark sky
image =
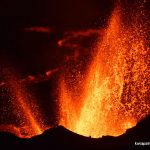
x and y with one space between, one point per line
34 52
65 13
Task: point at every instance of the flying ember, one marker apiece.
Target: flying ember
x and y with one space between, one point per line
112 94
24 109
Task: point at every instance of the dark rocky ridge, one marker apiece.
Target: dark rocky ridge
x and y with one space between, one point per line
61 138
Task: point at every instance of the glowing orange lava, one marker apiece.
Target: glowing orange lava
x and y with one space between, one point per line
28 118
113 96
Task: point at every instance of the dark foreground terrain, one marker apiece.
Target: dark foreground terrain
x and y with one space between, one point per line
61 138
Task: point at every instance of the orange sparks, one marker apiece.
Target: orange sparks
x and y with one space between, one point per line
25 109
113 95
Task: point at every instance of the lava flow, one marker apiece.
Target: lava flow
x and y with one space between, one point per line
113 96
25 110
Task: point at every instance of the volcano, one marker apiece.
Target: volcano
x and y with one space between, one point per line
64 85
61 138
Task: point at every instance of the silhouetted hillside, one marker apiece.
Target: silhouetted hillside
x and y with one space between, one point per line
60 138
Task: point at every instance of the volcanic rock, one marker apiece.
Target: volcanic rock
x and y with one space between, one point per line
61 138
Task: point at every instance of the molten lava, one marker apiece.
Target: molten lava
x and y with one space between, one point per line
113 95
28 119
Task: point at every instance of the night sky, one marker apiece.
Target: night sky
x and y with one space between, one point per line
34 51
